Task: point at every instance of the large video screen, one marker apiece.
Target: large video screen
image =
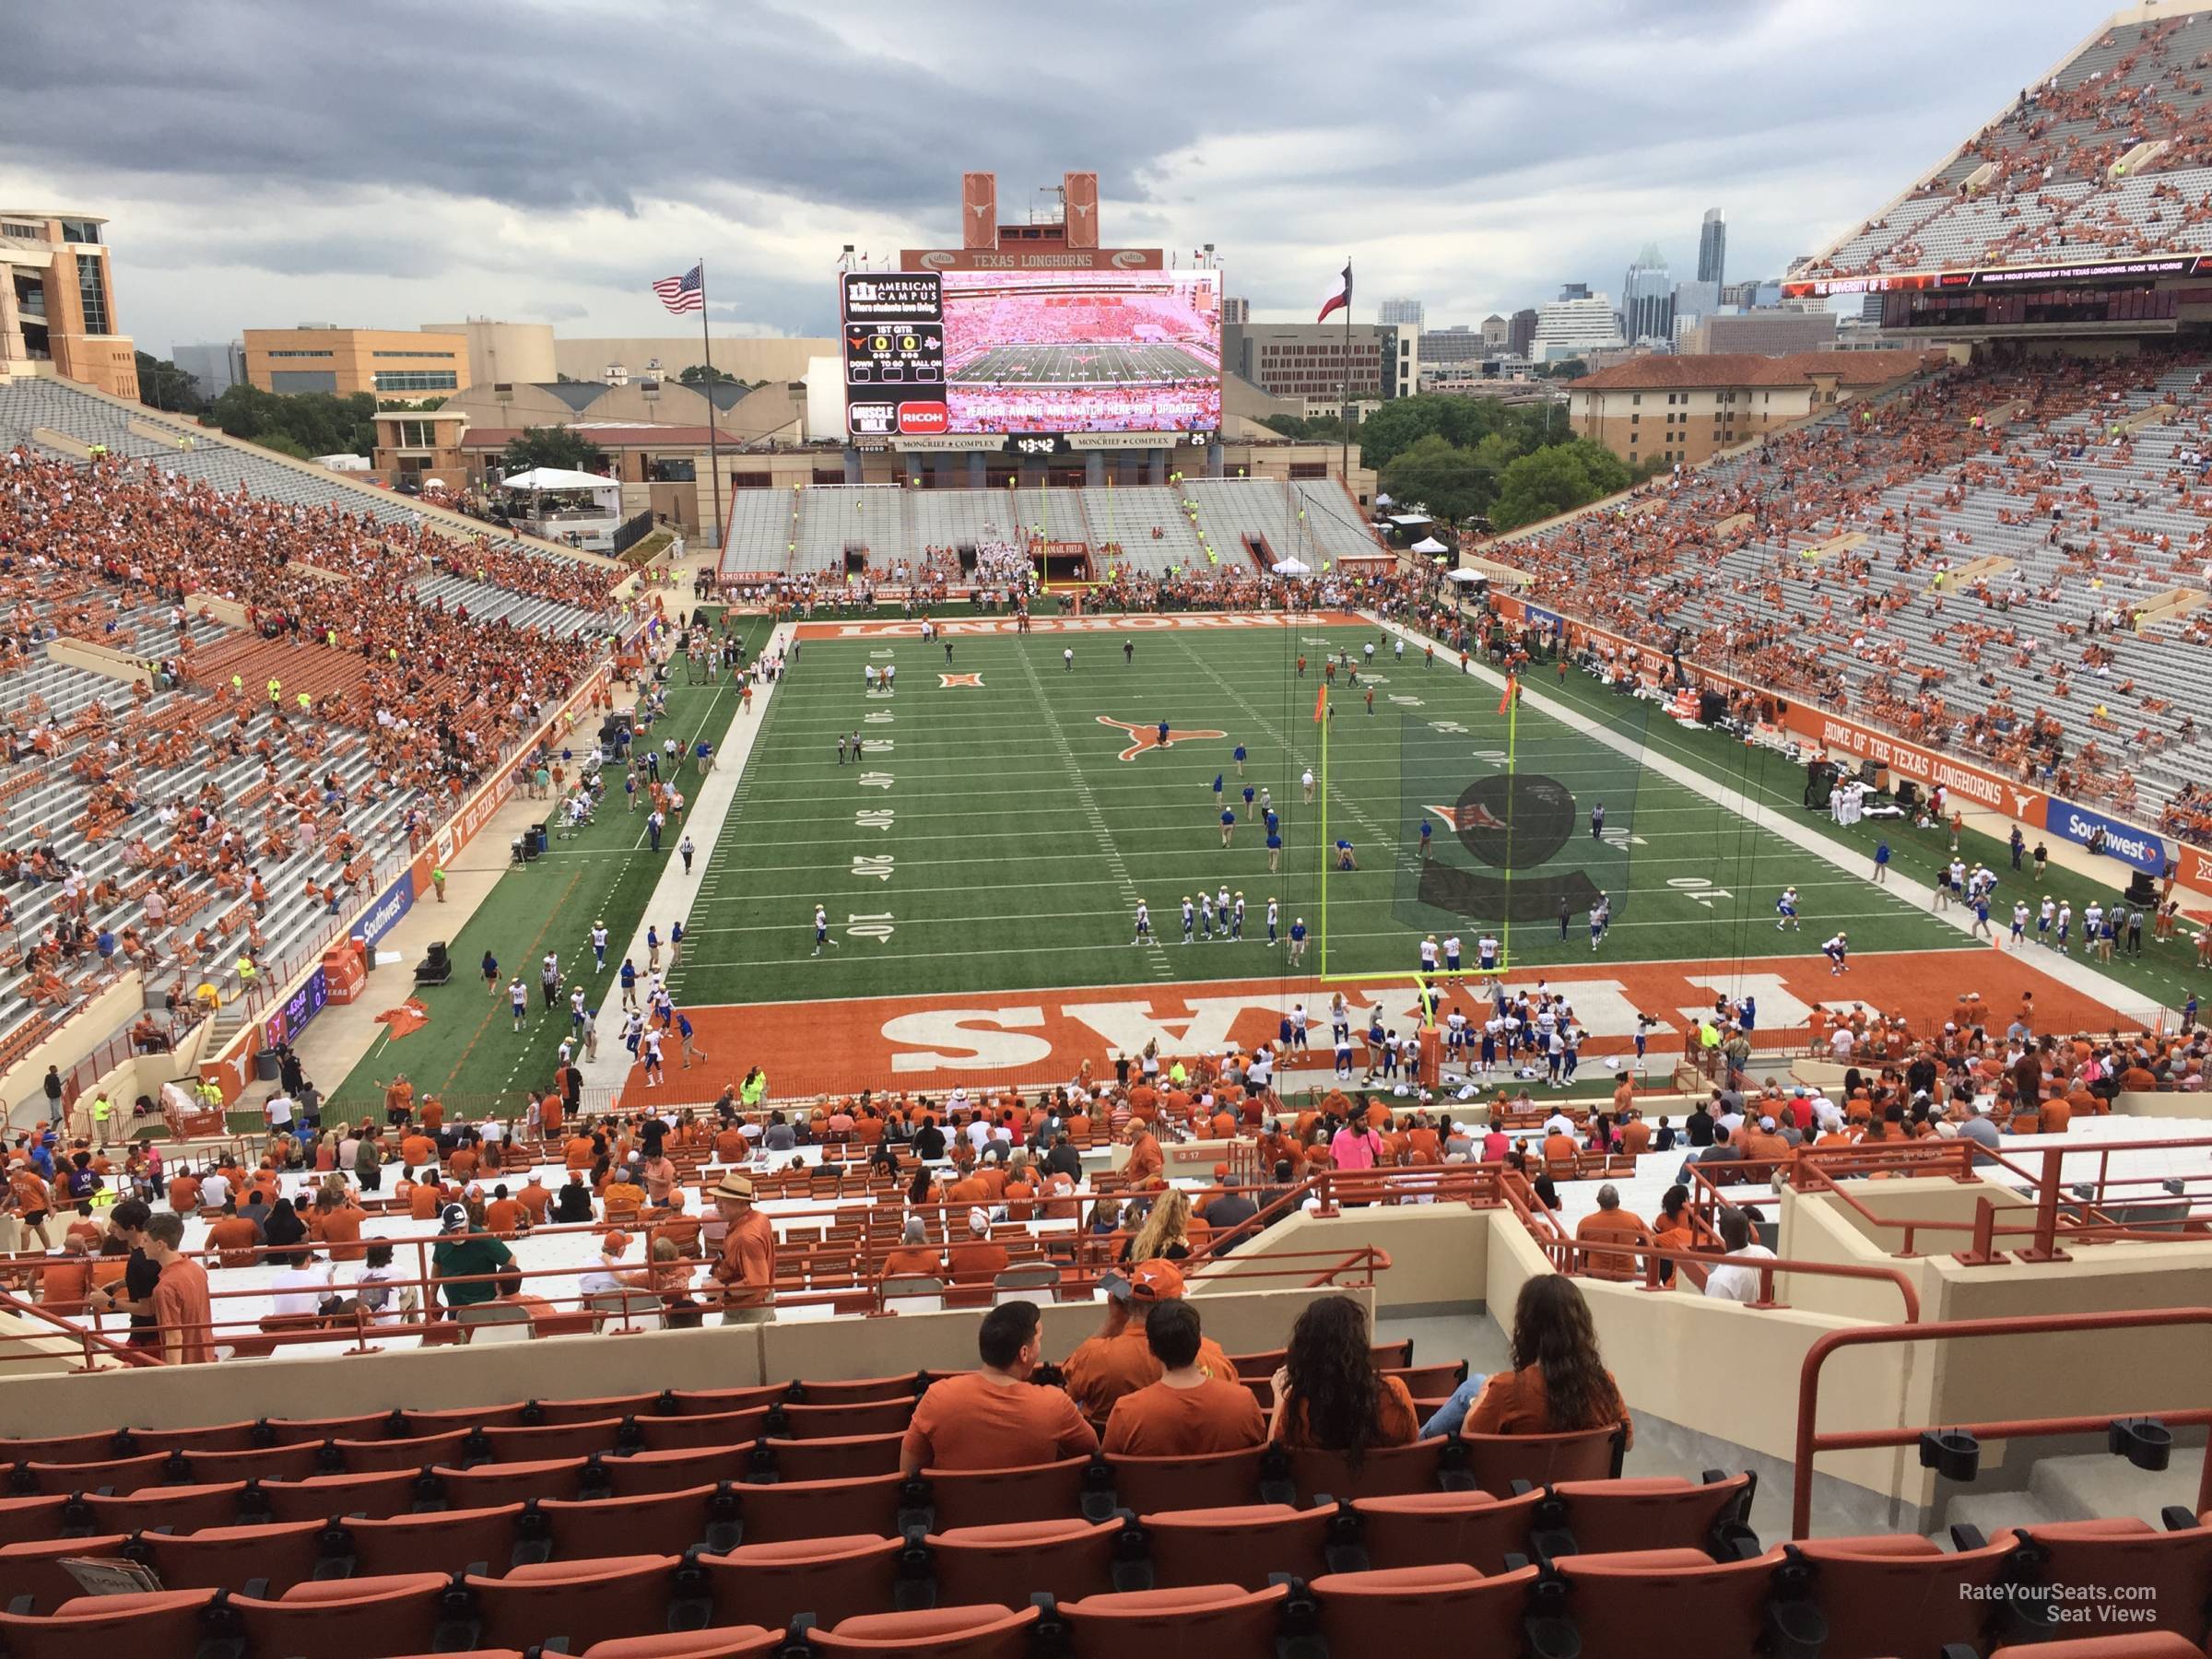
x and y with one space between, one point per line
1082 351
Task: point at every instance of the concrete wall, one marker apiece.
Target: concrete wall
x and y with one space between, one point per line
1708 1376
1438 1253
2092 1373
2196 1106
99 659
565 1367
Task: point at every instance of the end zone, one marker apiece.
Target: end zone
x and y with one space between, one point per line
1037 1038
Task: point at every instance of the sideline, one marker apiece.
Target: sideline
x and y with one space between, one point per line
2063 970
677 889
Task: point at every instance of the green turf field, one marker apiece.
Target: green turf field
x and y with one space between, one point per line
993 837
2162 976
470 1046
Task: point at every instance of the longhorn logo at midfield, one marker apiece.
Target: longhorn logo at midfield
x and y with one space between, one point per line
1146 737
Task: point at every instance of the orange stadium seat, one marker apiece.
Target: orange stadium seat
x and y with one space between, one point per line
1217 1480
1899 1593
831 1577
343 1618
1597 1517
651 1523
1191 1621
1410 1609
843 1458
1667 1604
981 1497
1435 1529
437 1541
1241 1546
100 1626
1496 1462
979 1632
231 1558
671 1470
1068 1559
578 1602
2168 1574
794 1509
724 1641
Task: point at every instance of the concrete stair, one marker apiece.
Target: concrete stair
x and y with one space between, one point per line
2080 1487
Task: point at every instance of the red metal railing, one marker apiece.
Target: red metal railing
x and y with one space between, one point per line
92 1346
1811 1442
2082 1220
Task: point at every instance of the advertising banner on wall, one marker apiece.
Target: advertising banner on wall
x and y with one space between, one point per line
2143 849
384 915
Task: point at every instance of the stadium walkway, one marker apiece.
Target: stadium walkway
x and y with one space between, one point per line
1796 830
677 889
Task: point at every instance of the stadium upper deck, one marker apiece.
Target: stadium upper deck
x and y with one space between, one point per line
2108 157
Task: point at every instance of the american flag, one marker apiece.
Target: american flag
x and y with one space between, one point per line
685 293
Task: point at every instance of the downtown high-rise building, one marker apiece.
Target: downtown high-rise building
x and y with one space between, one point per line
1647 298
1712 247
1405 313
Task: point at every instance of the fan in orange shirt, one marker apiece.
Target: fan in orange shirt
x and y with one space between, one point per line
1117 1361
1190 1410
1559 1383
989 1418
1329 1394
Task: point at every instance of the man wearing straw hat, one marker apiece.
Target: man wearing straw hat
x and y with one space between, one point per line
746 1268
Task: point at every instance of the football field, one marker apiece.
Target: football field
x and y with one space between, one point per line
981 854
1009 808
1083 364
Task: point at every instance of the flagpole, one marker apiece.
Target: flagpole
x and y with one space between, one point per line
713 426
1343 452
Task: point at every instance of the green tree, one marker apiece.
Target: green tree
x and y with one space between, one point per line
552 446
163 386
1449 482
287 446
700 374
1556 479
1316 429
319 423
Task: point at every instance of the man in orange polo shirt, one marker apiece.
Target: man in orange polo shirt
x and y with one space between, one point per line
1190 1411
1609 1223
977 1259
1117 1361
504 1216
1147 1162
535 1198
746 1270
992 1417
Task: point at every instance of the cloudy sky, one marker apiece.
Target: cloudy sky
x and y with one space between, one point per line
265 162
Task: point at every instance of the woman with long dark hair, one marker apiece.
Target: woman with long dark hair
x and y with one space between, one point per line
1328 1393
1558 1383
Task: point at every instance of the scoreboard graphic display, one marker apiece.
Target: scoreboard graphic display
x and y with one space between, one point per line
1021 354
894 351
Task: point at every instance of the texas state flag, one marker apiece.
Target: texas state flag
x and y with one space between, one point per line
1340 298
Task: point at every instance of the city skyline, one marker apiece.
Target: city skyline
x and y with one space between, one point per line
254 175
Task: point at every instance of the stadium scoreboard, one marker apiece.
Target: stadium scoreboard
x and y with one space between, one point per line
1025 361
894 354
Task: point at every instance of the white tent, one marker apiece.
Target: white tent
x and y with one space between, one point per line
1291 566
1429 544
554 478
1466 578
